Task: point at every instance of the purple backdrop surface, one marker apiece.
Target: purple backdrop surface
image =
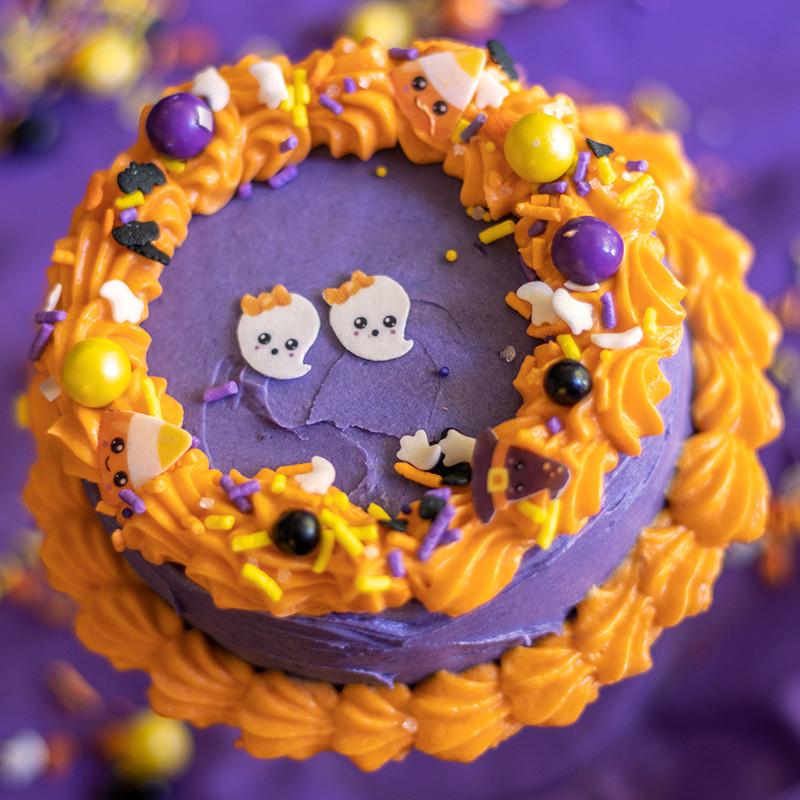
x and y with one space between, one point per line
719 716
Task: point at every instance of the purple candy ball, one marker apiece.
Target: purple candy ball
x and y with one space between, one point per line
180 126
587 250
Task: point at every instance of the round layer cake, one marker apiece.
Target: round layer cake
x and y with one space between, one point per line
404 475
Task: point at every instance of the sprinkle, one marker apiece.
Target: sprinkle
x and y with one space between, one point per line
451 256
252 574
151 398
128 215
489 147
133 199
636 189
349 85
206 502
581 162
237 490
53 297
50 388
127 513
636 166
381 171
302 94
608 312
618 341
394 560
473 127
365 533
605 172
581 287
249 541
125 305
174 165
213 87
461 126
418 451
477 212
326 101
288 144
63 257
508 353
40 342
300 116
278 485
451 535
372 583
605 355
649 321
341 530
444 372
553 187
432 538
50 317
245 190
404 53
487 217
417 475
272 89
576 314
497 232
377 511
221 391
599 149
569 346
554 425
500 56
240 501
133 500
319 478
325 550
537 228
582 188
548 530
22 411
533 512
288 173
220 522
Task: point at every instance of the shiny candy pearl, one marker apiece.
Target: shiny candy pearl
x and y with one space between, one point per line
297 533
587 250
567 382
180 126
154 747
96 372
539 148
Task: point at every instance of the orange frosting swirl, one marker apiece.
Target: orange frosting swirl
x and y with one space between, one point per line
719 493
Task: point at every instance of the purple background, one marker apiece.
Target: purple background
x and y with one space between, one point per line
719 716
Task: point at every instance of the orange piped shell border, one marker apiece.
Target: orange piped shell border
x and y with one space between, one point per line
719 493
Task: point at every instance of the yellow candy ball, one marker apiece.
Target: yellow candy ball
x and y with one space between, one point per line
154 747
539 148
96 372
391 23
109 62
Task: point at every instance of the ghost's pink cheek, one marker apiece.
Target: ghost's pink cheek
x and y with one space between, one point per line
257 347
355 333
393 332
108 487
291 355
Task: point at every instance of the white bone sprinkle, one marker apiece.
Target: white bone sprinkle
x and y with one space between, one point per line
457 447
618 341
540 296
272 89
211 85
576 314
321 477
416 450
125 305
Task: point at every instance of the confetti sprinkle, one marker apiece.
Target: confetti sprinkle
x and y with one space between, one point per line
451 255
599 149
219 392
287 174
288 144
497 232
473 127
404 53
133 500
50 388
332 105
553 187
608 313
258 578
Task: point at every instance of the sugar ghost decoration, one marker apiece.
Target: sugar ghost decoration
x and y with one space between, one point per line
368 315
275 332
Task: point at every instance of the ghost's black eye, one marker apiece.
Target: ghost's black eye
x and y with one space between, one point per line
117 445
264 338
439 108
390 321
360 322
419 83
120 479
291 344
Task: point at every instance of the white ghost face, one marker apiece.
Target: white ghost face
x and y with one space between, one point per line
276 341
372 323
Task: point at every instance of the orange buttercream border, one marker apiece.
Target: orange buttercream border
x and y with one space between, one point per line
719 493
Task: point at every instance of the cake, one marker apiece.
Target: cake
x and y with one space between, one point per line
375 473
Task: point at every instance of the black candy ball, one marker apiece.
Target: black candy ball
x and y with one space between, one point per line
297 532
567 382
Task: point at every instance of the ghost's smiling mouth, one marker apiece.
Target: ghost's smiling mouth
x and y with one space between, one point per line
108 469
